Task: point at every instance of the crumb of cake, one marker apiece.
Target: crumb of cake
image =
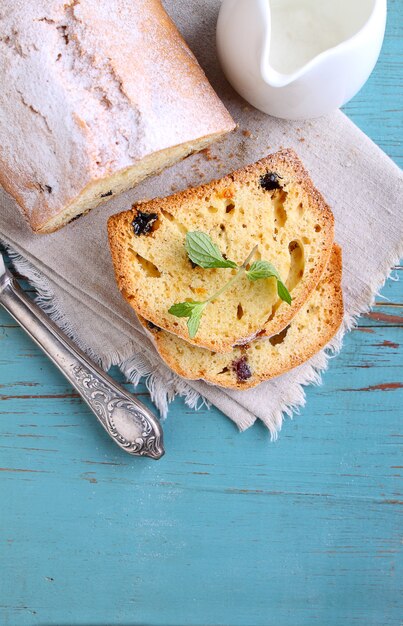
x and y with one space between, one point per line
247 133
301 139
208 155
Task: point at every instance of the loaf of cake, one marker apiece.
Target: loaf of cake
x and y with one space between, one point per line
307 333
272 205
95 96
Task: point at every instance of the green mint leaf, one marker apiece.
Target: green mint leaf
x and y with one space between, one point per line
283 292
203 252
192 310
194 320
262 269
183 309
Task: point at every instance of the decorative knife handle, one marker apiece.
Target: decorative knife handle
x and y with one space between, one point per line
126 420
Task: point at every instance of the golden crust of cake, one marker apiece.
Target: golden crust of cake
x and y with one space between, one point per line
308 332
291 224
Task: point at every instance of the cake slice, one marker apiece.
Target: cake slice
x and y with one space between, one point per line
308 332
272 205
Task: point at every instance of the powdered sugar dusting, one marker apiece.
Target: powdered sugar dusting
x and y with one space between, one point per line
92 86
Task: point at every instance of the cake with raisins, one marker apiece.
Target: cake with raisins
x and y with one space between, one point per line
308 332
271 204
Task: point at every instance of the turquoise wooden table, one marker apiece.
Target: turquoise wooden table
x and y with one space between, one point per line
227 529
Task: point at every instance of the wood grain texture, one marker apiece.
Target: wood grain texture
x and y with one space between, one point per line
226 529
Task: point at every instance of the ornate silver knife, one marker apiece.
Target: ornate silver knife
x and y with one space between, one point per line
126 420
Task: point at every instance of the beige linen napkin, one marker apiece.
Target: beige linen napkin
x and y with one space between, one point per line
73 272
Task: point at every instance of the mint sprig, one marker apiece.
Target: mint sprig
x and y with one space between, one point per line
193 311
204 253
283 292
263 269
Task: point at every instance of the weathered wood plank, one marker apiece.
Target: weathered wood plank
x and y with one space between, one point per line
197 515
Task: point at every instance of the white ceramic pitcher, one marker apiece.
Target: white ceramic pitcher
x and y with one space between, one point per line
299 59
